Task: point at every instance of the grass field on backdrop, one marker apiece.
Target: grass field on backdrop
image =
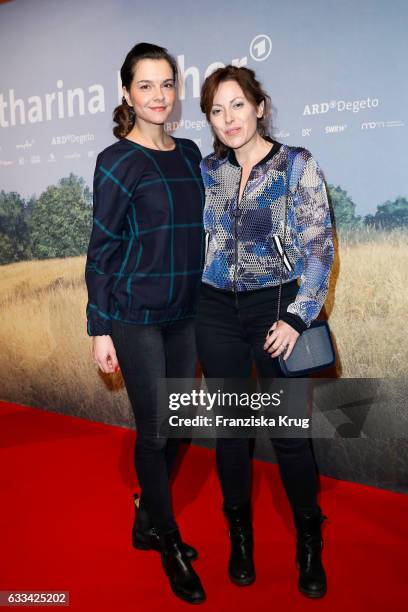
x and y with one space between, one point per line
47 352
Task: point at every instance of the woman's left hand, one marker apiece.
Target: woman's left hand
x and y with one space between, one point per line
281 338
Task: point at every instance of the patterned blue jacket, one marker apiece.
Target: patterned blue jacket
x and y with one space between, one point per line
245 241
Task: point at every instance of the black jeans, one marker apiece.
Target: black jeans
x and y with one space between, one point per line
231 331
146 353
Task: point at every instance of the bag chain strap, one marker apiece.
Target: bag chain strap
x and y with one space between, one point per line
283 246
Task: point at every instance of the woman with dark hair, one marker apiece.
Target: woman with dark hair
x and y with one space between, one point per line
143 271
248 180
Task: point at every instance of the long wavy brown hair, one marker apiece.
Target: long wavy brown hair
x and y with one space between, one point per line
124 115
252 89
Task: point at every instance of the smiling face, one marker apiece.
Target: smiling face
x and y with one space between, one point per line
233 117
152 92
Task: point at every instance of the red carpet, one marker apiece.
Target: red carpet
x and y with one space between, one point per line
66 516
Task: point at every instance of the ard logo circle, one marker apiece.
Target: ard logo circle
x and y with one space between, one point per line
260 47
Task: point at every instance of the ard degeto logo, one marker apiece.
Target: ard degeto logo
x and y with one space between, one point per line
260 47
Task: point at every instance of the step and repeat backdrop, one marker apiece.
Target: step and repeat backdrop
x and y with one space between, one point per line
336 73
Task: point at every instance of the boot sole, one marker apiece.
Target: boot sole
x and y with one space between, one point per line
312 594
180 595
242 581
190 601
141 544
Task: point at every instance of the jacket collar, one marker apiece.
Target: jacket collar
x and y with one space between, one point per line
276 146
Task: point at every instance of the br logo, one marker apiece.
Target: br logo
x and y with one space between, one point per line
260 47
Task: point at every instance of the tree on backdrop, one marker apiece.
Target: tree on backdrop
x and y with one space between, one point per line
61 220
14 231
343 207
390 215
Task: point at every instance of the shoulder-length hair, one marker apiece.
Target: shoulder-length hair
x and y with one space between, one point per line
252 89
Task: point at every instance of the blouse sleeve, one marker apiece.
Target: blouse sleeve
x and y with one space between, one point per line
314 232
111 200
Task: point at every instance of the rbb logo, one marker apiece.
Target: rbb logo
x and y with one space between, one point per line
260 47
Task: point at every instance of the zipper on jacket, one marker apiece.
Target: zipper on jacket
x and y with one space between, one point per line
237 214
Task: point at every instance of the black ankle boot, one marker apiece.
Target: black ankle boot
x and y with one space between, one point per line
241 564
145 537
312 577
184 581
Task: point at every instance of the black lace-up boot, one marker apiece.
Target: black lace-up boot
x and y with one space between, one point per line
241 564
312 577
145 537
184 581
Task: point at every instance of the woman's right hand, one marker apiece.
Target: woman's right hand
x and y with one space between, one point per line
104 354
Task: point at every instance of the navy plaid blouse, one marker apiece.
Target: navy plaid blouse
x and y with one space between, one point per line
146 250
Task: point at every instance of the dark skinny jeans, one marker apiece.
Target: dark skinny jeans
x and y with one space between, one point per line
231 332
145 354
